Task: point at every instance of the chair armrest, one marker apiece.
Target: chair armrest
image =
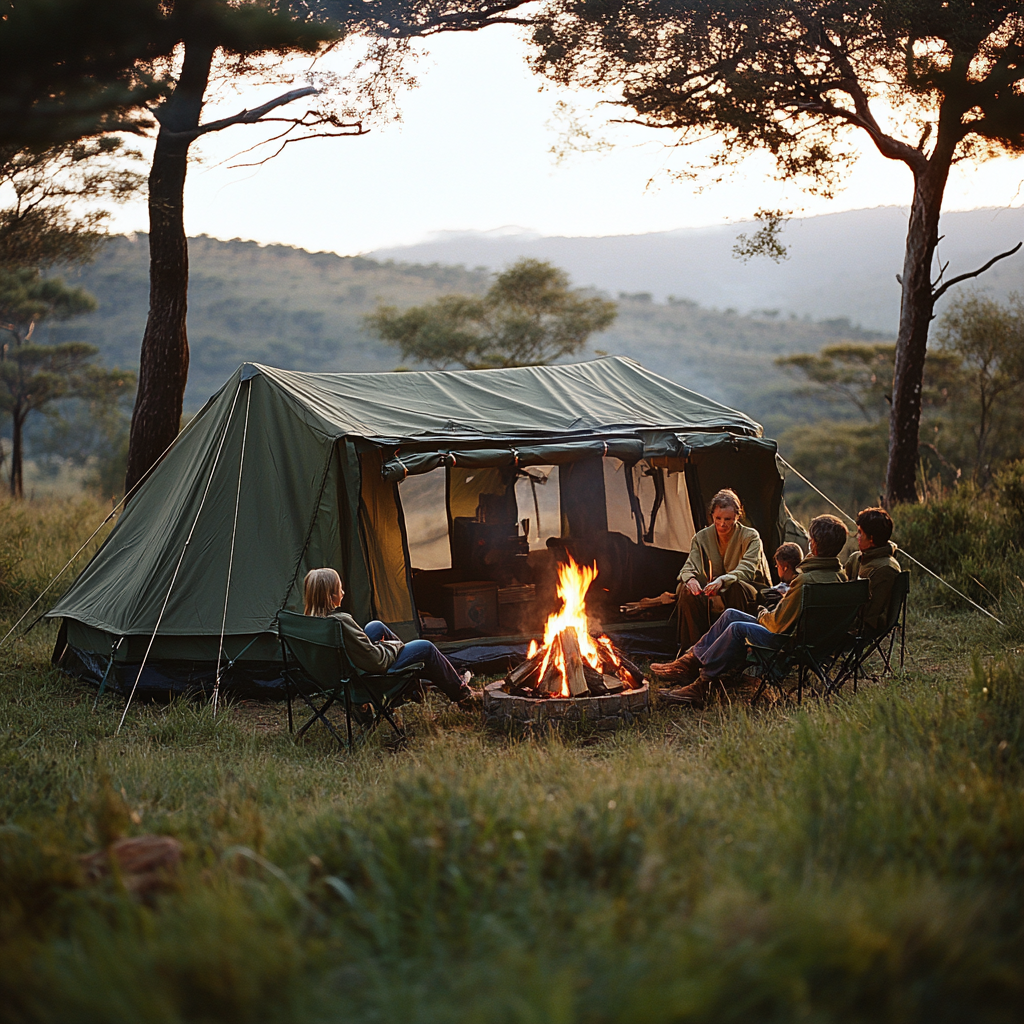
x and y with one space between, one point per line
416 666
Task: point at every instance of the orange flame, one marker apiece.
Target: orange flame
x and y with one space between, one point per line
573 583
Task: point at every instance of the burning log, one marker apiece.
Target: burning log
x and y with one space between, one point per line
523 676
573 668
601 684
629 673
551 677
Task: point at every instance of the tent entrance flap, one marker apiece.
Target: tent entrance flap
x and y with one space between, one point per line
387 556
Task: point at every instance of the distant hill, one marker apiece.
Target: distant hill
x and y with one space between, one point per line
840 265
288 307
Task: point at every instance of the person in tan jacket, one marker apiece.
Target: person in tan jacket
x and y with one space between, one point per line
875 561
375 649
721 652
725 568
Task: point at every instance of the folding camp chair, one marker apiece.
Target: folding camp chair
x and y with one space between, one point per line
317 668
883 641
821 643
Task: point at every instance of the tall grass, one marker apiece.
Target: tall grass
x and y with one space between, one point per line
36 540
856 861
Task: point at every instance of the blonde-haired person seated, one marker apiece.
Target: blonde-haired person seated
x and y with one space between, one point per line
376 649
726 567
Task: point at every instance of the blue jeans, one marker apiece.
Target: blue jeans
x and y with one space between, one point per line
437 669
723 648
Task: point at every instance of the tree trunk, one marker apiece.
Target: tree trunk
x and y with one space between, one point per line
916 310
17 453
163 369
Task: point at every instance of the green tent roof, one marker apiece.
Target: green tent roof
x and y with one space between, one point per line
603 396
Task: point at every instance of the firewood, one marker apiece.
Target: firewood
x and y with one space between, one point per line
520 675
634 678
551 680
612 684
573 662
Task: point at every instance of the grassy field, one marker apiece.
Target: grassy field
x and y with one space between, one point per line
857 861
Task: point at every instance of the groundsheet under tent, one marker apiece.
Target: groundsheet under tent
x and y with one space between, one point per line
446 500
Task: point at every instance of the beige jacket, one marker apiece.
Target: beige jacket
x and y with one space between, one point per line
879 567
366 655
744 559
811 570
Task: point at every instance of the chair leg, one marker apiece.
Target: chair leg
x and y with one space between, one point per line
287 684
317 713
903 634
348 716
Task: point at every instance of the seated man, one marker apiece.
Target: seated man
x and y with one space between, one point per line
875 562
376 649
722 652
787 557
724 569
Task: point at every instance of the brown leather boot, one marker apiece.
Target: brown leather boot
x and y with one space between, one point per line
696 695
683 670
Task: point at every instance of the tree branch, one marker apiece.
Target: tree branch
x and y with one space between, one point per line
861 115
458 21
938 292
245 116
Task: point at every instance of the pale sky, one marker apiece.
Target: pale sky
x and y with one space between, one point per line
473 153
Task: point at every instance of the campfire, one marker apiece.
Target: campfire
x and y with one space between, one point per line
572 662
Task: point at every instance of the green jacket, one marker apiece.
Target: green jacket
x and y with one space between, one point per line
879 567
366 655
744 559
811 570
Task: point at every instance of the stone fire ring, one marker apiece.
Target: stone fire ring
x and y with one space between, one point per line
526 714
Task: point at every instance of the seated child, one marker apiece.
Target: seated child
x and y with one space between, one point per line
787 557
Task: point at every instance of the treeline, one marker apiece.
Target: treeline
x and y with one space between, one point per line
972 421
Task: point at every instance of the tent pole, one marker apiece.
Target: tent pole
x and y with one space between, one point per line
181 558
231 555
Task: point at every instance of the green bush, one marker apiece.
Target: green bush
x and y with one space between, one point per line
973 539
1009 484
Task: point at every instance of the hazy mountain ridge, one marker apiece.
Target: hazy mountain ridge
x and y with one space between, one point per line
288 307
840 265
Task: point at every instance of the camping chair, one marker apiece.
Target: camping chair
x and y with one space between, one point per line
317 668
820 643
882 641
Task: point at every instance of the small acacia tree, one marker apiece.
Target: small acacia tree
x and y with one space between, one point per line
795 78
528 317
33 376
986 339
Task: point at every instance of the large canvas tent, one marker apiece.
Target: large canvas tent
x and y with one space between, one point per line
412 485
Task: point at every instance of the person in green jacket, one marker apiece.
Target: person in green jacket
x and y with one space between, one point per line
721 653
875 562
725 568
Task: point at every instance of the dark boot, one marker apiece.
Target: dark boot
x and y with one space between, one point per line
695 695
683 670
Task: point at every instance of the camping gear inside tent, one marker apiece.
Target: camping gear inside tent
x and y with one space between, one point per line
445 499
